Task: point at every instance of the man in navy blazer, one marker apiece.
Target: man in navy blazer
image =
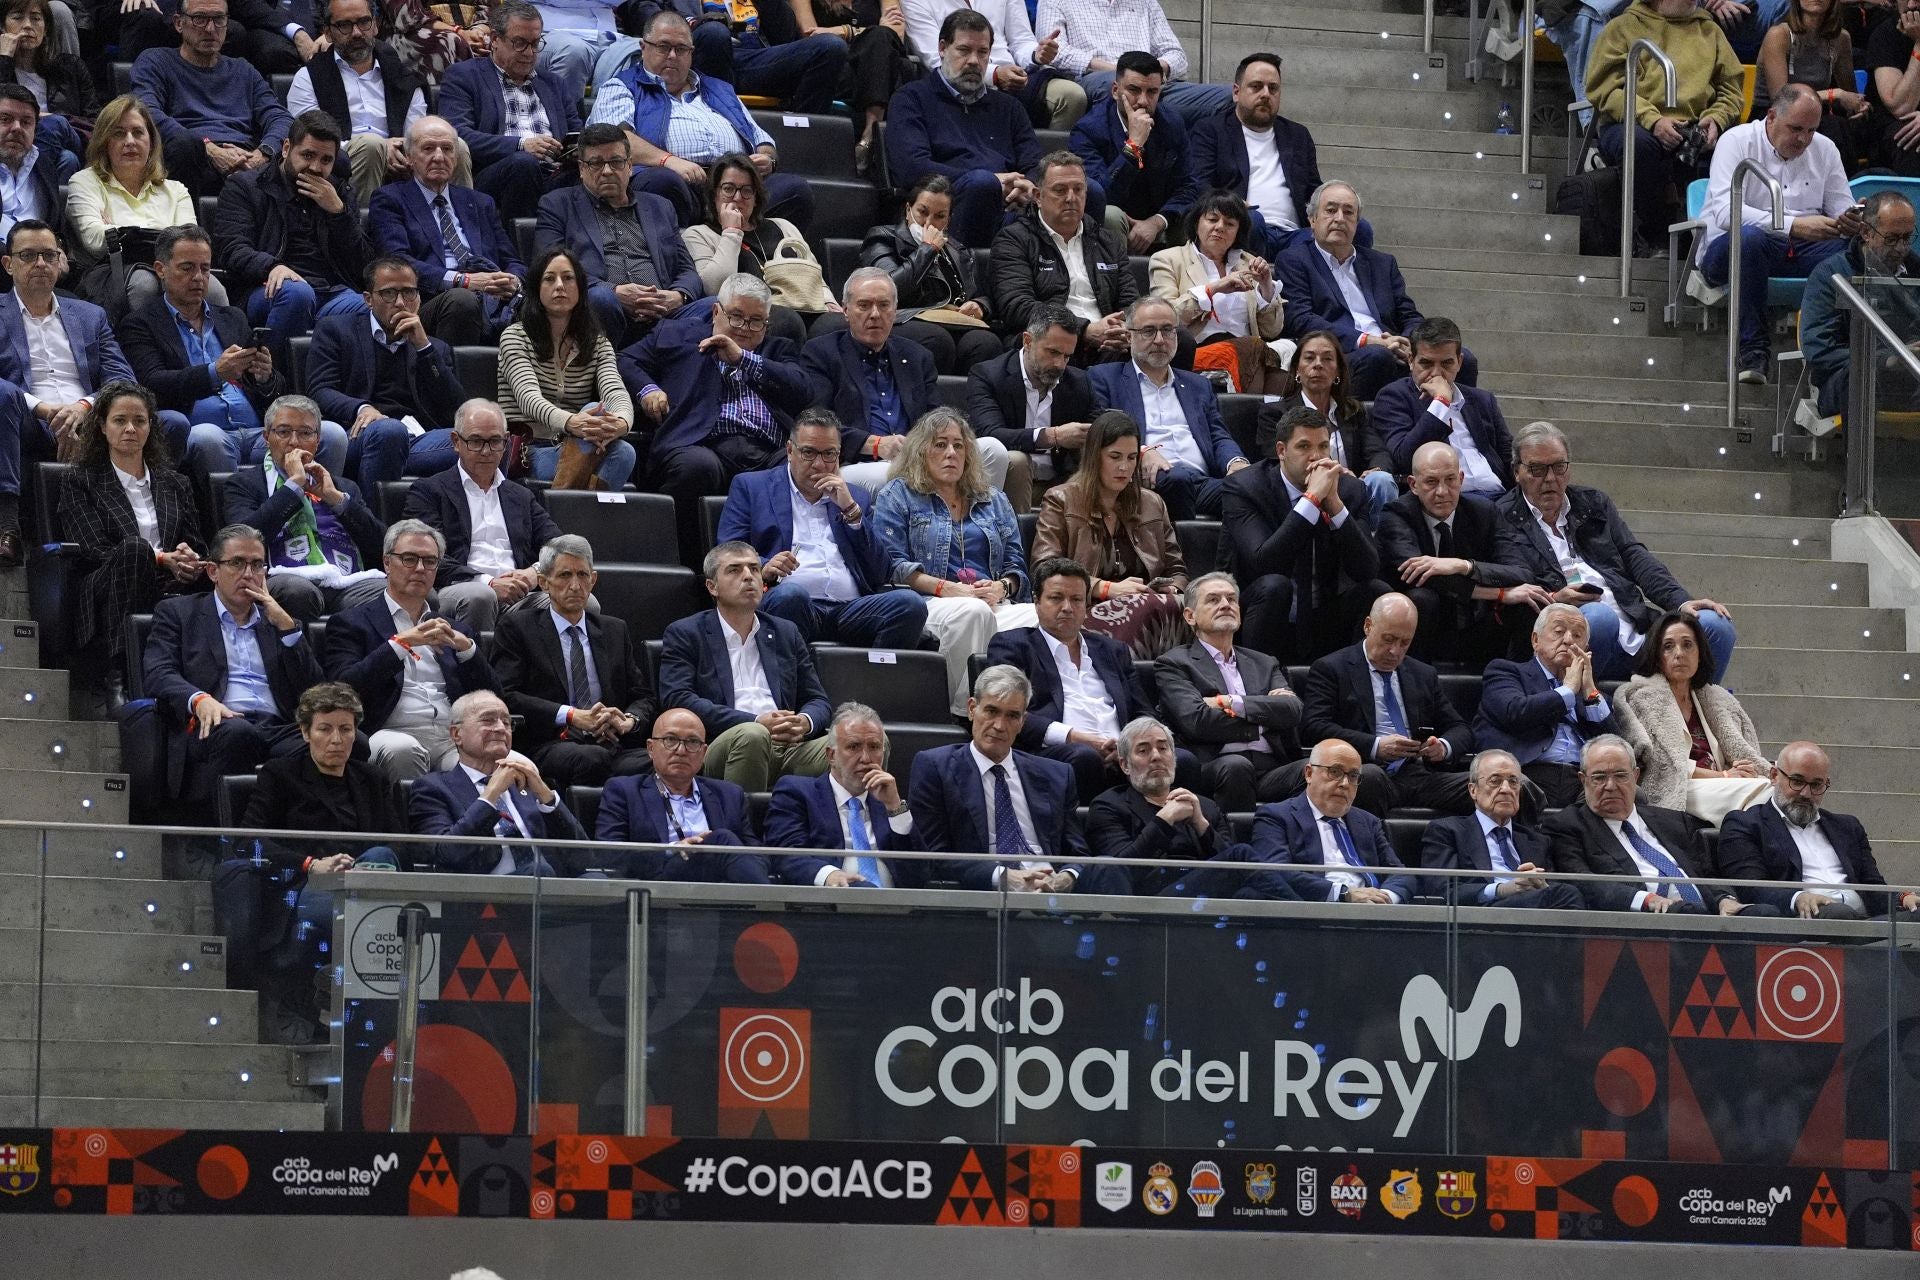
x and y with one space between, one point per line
748 676
1545 709
1080 729
493 790
1377 343
675 806
383 647
630 298
516 152
1492 839
469 283
479 578
855 806
982 796
1790 837
836 582
1322 825
1136 155
1185 450
229 718
1431 404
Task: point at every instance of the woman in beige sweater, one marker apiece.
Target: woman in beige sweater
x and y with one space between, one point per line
559 377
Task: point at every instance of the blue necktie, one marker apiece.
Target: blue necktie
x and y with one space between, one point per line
867 867
508 829
1007 840
1657 858
1395 716
1344 840
1503 853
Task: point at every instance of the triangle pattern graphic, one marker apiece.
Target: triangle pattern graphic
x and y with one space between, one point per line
970 1201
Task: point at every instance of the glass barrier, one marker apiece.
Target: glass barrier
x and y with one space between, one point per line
182 979
1887 386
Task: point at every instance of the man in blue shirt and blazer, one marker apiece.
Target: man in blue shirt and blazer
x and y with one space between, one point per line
516 157
854 806
838 589
1137 156
673 805
748 676
982 796
1431 405
1185 450
1323 826
1545 709
1492 839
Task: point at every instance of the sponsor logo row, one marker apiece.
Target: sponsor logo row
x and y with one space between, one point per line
1401 1195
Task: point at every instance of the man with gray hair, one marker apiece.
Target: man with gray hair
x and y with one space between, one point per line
1540 711
408 665
1884 254
1060 253
1149 817
1492 839
855 807
512 115
982 796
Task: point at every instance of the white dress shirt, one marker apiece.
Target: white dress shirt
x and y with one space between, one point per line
51 363
489 550
505 865
1231 312
1491 891
1346 275
823 572
1267 180
1640 864
751 691
901 824
1039 403
423 685
366 98
1020 811
1820 862
1345 876
1084 701
19 197
1814 182
1336 443
1577 570
1080 296
1166 426
1475 471
139 493
1237 690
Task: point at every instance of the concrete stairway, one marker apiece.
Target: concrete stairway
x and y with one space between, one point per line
1645 406
134 1024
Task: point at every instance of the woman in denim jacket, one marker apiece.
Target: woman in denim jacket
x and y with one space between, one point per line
955 539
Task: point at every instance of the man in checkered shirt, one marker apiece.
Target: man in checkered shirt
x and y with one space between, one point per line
1093 33
512 116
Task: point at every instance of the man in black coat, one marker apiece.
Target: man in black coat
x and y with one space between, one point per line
1492 839
1033 400
1294 526
1030 268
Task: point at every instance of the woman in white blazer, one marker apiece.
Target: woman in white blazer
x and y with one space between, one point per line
1225 296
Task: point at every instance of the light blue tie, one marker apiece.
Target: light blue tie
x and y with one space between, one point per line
864 864
1665 865
1344 839
1395 716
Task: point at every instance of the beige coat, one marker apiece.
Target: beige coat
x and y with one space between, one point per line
1650 719
1175 273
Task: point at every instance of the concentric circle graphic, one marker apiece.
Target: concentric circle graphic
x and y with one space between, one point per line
1523 1173
1799 993
543 1202
765 1059
597 1152
1016 1211
1069 1162
96 1145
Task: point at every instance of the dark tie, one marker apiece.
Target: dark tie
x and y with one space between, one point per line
449 229
1657 858
1443 539
864 865
1007 840
578 688
1343 840
1503 855
507 829
1395 716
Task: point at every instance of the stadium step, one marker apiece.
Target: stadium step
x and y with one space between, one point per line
138 1015
1815 671
1684 443
1868 769
106 905
1479 187
1829 628
75 1069
1797 493
82 746
19 644
131 959
1762 578
163 1113
1499 152
1397 222
1863 721
122 856
33 693
1526 309
36 795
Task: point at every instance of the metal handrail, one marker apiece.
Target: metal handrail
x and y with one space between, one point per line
1426 38
1862 392
1736 226
1526 85
1206 39
1631 121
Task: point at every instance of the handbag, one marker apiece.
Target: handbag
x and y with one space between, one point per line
794 276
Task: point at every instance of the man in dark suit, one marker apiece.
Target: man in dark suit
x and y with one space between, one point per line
29 158
1084 684
369 374
1323 826
1185 449
748 676
1391 709
854 806
469 271
1031 268
1792 838
823 564
719 392
1608 834
1033 400
1571 541
638 269
226 382
983 796
1331 282
1136 155
1431 404
493 790
1436 546
1230 705
572 677
230 665
674 805
1491 839
1544 709
512 116
310 520
408 666
493 526
377 114
1293 527
1148 817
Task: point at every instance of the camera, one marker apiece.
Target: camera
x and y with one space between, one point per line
1693 145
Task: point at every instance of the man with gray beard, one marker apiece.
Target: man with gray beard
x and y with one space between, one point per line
1884 254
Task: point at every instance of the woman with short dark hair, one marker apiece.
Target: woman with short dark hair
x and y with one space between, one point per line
943 302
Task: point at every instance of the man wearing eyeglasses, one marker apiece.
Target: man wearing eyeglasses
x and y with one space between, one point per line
319 532
628 242
362 83
227 669
1322 826
217 115
1882 252
1571 541
1493 839
676 806
1543 709
513 116
408 664
1791 837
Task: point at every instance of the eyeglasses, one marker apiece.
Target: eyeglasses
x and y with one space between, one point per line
1890 239
670 49
481 444
37 257
238 565
398 293
295 433
1336 775
1505 782
1812 786
806 453
1541 470
526 46
1612 777
676 746
604 162
745 323
415 560
734 190
205 21
1155 331
368 23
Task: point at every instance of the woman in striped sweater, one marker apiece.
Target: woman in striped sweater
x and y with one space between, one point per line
559 377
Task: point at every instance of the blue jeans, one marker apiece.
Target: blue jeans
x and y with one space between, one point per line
384 451
1611 662
613 469
291 311
803 74
1191 102
885 620
1762 254
1382 488
1745 35
979 208
569 58
1575 35
1189 494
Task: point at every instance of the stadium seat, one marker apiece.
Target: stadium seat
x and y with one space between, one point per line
523 229
230 797
650 597
122 78
143 738
1241 414
1683 272
842 207
391 500
282 82
812 146
907 685
1199 545
1029 522
710 508
585 803
217 499
838 257
297 363
624 528
905 741
52 568
478 369
650 661
1406 835
950 390
1463 691
1052 140
1150 683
